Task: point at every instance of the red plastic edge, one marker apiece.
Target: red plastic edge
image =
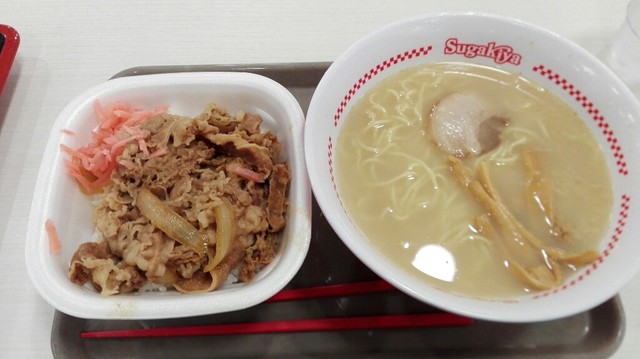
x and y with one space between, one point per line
8 52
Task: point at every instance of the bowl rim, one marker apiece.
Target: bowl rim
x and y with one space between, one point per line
535 312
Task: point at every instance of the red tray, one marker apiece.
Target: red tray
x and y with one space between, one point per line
9 41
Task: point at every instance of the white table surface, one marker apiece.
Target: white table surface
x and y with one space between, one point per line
69 46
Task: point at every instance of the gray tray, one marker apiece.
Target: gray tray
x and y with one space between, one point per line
596 333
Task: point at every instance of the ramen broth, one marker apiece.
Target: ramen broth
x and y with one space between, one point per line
398 187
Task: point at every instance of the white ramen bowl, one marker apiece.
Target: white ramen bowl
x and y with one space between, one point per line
58 197
600 98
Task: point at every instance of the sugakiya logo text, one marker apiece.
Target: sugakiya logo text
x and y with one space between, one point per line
500 54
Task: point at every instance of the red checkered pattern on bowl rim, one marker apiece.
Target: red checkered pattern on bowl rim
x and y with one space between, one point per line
558 80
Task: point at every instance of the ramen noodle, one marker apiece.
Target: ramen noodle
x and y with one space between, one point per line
476 180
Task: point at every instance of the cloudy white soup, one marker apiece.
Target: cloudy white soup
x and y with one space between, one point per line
476 180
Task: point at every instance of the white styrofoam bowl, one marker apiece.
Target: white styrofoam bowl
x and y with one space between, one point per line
608 108
58 197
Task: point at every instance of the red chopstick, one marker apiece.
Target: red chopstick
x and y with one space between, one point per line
289 326
439 319
334 290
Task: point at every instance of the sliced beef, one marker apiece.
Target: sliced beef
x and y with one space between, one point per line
195 168
277 201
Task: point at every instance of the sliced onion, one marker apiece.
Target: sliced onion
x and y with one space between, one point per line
200 282
225 232
170 222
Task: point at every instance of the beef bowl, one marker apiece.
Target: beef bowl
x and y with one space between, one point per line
171 195
480 164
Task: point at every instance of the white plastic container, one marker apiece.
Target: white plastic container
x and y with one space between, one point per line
58 197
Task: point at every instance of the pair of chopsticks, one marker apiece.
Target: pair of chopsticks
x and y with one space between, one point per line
438 319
